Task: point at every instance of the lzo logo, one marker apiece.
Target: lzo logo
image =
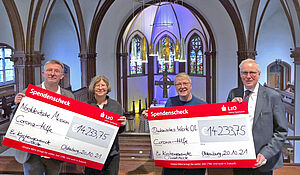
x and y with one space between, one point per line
103 115
229 108
223 108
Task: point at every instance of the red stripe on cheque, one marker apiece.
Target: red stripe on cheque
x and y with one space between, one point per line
53 154
216 109
207 163
72 105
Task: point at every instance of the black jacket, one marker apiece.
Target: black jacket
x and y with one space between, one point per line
115 107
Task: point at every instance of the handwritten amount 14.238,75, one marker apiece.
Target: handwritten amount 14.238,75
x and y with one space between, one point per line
91 132
233 130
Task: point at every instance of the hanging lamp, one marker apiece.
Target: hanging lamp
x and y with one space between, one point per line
144 51
160 50
133 49
167 58
182 51
152 51
177 50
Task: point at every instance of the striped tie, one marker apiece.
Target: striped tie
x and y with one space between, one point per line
246 96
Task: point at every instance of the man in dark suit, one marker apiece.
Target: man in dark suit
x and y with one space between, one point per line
34 164
267 116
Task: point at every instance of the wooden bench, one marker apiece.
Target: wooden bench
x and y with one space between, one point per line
6 104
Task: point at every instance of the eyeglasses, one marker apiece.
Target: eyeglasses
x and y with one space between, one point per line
252 74
100 85
182 84
53 70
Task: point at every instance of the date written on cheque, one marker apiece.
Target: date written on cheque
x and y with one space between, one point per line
224 153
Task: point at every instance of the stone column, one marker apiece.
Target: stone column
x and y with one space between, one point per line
88 67
124 60
34 71
296 55
150 79
19 59
208 71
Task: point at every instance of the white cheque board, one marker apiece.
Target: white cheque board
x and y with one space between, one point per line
52 125
202 136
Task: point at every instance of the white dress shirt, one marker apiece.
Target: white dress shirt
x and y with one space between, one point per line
252 102
58 89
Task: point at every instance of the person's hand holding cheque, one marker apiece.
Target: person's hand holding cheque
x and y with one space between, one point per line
122 120
145 114
237 99
261 160
19 97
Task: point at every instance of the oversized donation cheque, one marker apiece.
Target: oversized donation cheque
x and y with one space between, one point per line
202 136
56 126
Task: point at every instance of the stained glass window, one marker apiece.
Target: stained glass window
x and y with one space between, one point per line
162 63
6 66
136 65
196 55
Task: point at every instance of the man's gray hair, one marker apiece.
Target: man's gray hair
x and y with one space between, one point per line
249 60
54 62
183 75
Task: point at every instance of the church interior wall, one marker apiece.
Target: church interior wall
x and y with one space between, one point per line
60 42
140 22
274 42
88 11
226 48
106 65
166 22
245 12
297 112
39 24
37 75
6 35
23 9
199 83
107 41
191 23
226 45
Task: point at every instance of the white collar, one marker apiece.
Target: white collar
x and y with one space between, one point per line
255 90
58 89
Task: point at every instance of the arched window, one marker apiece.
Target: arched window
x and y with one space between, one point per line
162 63
195 55
136 65
279 74
6 66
